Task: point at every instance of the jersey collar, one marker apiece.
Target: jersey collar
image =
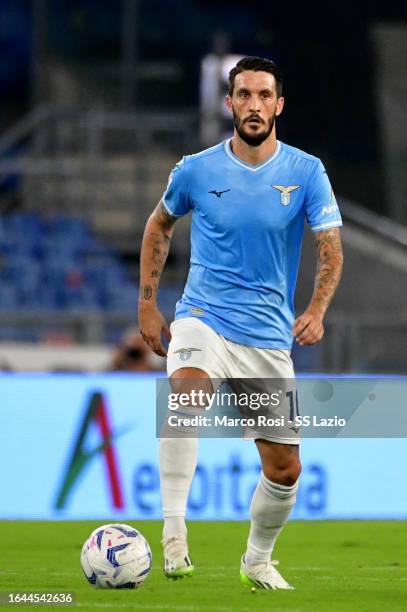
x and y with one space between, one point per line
240 162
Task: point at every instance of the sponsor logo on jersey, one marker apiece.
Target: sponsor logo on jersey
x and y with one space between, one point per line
285 192
332 206
328 210
218 194
185 353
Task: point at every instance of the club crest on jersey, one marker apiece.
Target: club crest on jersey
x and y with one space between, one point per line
285 193
185 353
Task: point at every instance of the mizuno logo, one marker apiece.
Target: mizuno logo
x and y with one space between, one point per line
218 193
285 192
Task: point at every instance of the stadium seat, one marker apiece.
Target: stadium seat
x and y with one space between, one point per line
79 298
24 226
59 265
69 229
122 298
9 300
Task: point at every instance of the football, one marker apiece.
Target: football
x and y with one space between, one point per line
116 557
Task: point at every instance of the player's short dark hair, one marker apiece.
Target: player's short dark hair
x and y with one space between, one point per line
258 64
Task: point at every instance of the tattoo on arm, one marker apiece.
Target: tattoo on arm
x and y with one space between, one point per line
146 292
154 251
163 217
161 245
161 240
329 267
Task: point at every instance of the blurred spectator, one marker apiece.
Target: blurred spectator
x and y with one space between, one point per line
5 365
132 354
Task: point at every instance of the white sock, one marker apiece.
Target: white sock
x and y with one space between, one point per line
270 508
178 458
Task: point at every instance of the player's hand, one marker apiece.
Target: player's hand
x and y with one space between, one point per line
152 324
308 328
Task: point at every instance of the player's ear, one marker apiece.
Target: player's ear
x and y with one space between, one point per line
280 106
228 101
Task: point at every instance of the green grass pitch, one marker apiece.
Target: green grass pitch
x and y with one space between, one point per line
335 566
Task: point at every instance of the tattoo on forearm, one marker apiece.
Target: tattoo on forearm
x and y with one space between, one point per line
329 267
146 292
161 245
154 251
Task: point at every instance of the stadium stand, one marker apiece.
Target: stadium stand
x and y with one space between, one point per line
57 264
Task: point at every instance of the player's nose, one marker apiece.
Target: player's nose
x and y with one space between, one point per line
254 104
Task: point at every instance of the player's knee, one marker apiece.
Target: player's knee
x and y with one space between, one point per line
187 380
189 373
293 473
285 473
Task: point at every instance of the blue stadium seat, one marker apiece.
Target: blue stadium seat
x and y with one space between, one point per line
43 298
105 279
94 249
69 229
122 298
9 299
59 265
52 248
80 298
21 269
167 298
24 227
57 271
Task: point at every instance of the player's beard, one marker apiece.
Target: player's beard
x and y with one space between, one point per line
254 140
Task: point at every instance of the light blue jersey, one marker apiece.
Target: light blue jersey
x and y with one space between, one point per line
246 237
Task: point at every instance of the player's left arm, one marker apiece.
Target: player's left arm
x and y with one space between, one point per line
308 328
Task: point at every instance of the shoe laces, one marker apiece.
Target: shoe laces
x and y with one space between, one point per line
175 546
267 572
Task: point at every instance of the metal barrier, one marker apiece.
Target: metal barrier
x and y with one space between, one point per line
108 167
366 344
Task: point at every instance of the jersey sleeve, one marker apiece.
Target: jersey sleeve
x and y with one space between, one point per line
321 209
176 197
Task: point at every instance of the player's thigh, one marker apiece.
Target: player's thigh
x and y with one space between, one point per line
267 377
194 345
253 362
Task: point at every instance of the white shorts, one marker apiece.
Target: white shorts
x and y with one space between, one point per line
196 345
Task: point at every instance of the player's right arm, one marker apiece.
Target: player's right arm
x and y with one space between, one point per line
154 251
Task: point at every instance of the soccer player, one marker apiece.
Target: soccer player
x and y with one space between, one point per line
249 197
